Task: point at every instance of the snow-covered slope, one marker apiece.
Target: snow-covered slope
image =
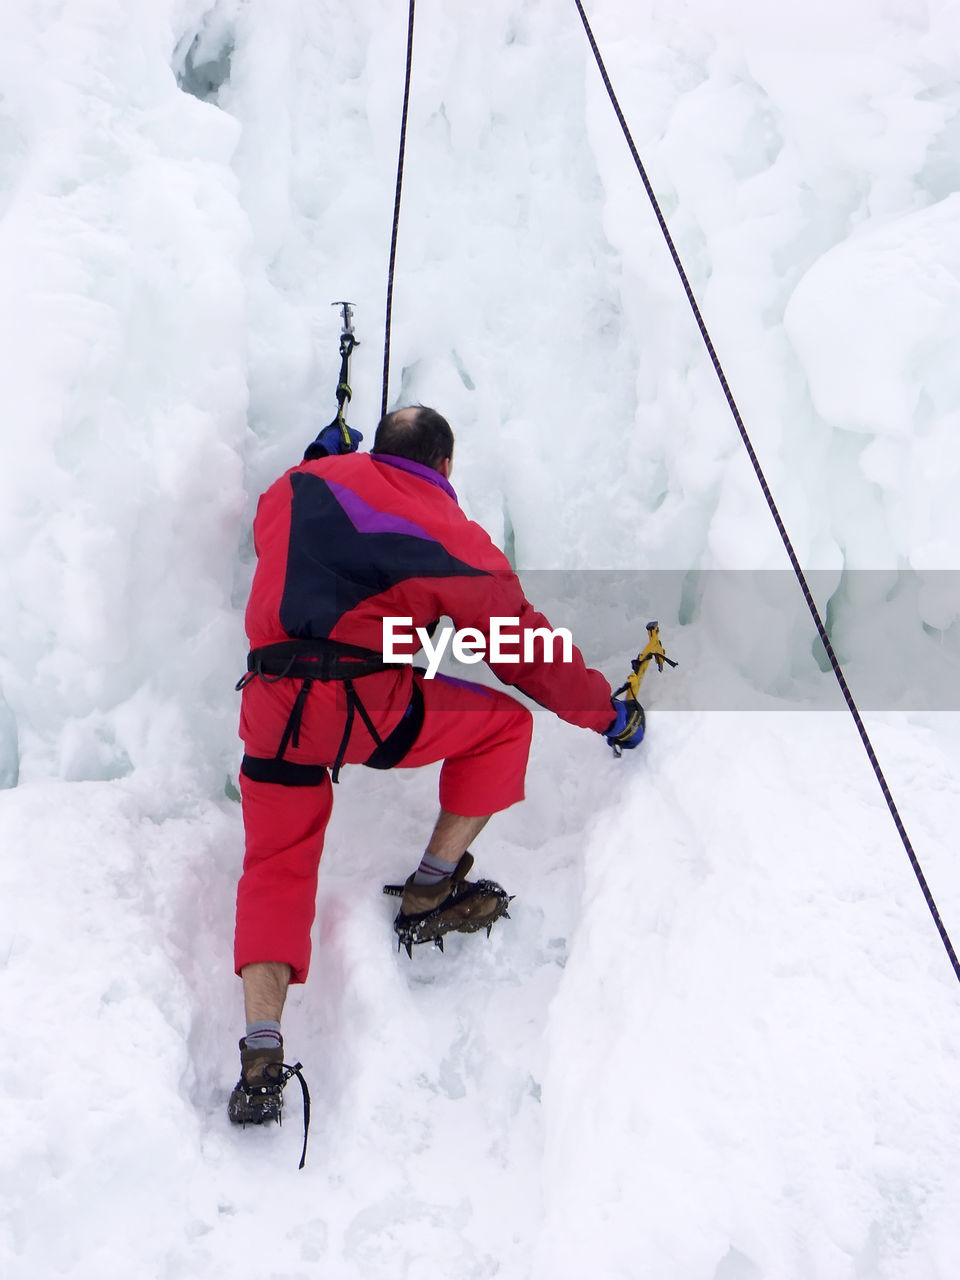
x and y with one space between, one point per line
719 1039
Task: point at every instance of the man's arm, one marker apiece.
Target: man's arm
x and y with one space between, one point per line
550 672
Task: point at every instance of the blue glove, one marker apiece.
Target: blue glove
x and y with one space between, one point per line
626 732
330 441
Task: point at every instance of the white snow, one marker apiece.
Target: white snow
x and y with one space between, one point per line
720 1037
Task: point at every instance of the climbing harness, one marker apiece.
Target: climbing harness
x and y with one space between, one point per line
781 528
396 212
348 340
640 665
326 660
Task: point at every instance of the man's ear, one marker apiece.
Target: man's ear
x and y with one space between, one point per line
445 467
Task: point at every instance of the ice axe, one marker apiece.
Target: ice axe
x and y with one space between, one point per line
348 340
652 652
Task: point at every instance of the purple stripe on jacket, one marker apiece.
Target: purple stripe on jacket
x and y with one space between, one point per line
367 519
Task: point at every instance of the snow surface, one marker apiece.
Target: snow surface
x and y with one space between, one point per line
720 1038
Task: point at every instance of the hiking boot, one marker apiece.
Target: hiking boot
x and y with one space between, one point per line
452 905
258 1094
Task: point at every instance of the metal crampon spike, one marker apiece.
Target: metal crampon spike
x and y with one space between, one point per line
432 926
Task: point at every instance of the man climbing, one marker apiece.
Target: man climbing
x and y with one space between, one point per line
345 541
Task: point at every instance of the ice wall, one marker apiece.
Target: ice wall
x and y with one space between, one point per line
170 258
122 317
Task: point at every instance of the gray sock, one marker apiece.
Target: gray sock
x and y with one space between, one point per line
263 1035
432 869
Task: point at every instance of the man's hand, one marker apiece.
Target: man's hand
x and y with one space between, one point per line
330 441
626 732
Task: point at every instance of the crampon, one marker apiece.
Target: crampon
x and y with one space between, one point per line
263 1103
466 907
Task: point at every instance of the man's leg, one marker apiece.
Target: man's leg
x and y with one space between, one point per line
483 737
276 902
453 834
438 898
265 990
276 897
451 837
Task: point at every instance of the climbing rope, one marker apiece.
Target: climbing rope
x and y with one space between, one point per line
781 529
396 213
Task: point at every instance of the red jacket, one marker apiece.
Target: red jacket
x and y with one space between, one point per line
343 542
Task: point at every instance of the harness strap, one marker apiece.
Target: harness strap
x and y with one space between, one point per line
291 732
396 745
283 773
352 701
365 716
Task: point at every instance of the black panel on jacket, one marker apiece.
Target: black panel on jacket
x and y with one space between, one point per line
332 565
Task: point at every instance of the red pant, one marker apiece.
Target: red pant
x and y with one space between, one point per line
481 735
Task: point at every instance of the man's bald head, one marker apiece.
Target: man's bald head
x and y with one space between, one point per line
416 433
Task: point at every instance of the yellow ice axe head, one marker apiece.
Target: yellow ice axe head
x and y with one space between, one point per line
652 652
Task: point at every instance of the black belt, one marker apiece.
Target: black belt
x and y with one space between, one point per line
327 660
314 660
